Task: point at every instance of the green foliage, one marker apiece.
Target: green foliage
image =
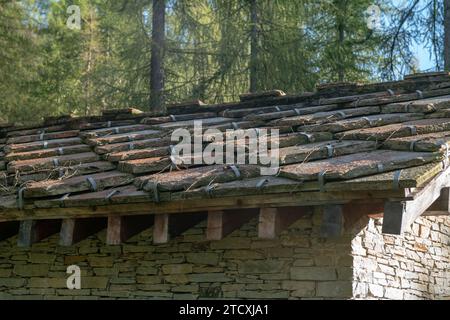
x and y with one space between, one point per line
49 69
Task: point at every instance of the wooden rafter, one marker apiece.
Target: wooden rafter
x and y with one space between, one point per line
222 223
274 220
75 230
169 226
399 215
121 229
32 231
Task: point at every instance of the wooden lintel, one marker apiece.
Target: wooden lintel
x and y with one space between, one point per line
400 215
32 231
274 220
222 223
332 221
169 226
8 229
199 205
76 230
120 228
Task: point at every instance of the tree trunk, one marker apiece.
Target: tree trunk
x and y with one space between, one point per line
447 34
340 24
156 65
254 50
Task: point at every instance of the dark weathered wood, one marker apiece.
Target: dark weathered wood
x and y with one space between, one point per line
167 226
124 137
39 145
120 229
441 207
222 223
274 220
76 230
8 229
32 231
399 215
45 136
332 221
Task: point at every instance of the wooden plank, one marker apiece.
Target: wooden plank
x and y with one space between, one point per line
45 136
399 215
261 95
124 137
46 153
161 229
8 229
39 145
120 228
76 230
222 223
274 220
32 231
332 221
113 130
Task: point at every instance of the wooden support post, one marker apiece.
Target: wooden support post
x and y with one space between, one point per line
8 229
120 229
400 215
161 229
332 221
75 230
222 223
274 220
441 207
169 226
32 231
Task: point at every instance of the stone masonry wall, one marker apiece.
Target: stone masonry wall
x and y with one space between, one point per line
413 266
298 265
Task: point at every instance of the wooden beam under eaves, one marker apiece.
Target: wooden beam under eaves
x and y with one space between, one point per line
120 229
441 207
400 215
274 220
32 231
222 223
169 226
76 230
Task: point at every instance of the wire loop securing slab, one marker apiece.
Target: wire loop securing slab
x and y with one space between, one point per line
131 146
173 118
235 126
41 136
330 151
45 145
412 145
60 151
391 92
111 194
380 168
297 111
420 94
261 183
322 181
55 162
413 130
278 109
368 121
20 202
108 124
236 171
92 184
309 137
396 182
116 130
